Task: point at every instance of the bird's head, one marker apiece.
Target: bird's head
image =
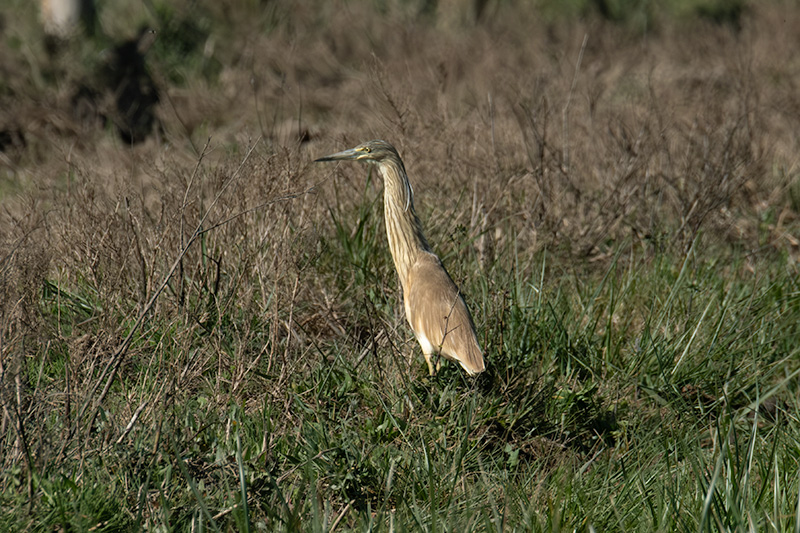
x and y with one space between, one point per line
369 152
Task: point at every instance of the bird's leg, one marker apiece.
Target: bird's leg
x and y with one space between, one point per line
430 364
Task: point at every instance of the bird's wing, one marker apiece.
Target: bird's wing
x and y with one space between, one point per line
437 310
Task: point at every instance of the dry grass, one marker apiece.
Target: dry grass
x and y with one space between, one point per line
145 287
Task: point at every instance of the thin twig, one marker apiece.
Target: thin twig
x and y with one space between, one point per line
341 515
130 425
290 196
119 353
565 114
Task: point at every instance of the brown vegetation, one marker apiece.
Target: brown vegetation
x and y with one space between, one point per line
216 235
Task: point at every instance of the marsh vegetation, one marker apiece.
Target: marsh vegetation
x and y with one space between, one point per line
200 329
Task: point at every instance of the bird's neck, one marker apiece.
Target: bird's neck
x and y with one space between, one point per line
406 240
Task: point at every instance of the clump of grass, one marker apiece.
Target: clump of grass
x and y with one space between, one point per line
207 334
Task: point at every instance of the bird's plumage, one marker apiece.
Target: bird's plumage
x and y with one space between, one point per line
434 306
439 316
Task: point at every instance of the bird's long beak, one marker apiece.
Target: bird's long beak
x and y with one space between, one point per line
340 156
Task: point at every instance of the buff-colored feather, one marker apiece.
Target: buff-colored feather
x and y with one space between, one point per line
434 306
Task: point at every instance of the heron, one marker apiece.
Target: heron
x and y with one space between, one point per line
434 306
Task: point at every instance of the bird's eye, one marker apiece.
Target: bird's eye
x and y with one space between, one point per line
366 149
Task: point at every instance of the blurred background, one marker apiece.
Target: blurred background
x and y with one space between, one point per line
200 328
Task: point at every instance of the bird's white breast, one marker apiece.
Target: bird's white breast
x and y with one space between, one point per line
427 347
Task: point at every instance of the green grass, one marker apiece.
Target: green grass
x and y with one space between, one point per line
657 395
631 264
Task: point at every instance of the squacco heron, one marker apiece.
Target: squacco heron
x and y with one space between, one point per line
434 306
